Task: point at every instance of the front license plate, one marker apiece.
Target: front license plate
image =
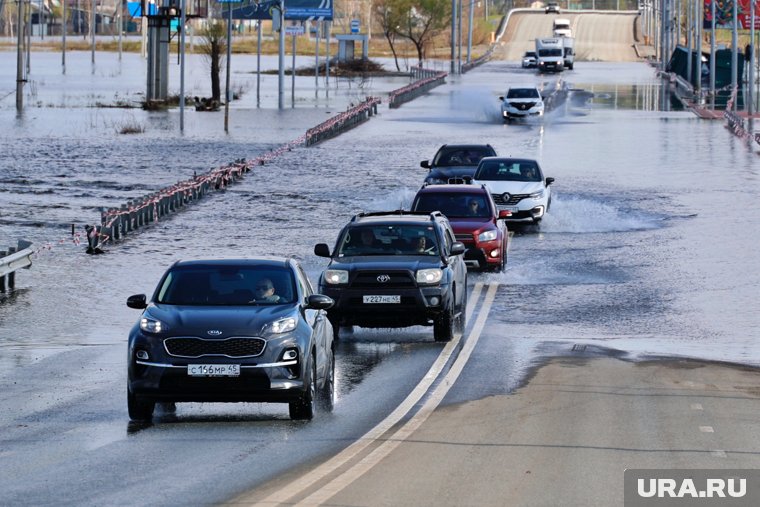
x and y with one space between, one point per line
213 370
382 299
513 209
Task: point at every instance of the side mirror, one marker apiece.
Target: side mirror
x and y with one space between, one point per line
425 164
549 181
319 302
457 248
501 98
322 250
138 302
504 213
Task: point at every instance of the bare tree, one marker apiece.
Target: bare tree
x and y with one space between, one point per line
422 20
214 48
389 17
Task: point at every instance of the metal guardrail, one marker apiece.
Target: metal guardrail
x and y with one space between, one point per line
11 261
342 122
414 90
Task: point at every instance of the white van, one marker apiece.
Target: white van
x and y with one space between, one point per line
550 55
562 28
568 44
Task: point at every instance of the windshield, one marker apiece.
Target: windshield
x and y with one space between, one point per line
388 240
453 205
549 52
523 93
508 170
227 285
461 156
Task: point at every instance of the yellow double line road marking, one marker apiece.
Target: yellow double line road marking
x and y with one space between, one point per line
327 491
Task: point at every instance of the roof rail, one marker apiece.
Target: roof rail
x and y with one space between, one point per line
433 215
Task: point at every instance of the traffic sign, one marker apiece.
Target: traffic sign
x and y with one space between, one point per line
295 30
355 26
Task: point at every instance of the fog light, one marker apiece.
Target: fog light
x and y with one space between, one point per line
494 253
538 211
142 355
435 301
290 355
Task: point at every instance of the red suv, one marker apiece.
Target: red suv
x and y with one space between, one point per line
475 219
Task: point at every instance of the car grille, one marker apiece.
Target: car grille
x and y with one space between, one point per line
464 238
229 347
370 279
522 106
513 199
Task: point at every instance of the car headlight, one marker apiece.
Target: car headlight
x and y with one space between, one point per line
436 181
152 325
537 195
429 276
487 236
281 326
336 276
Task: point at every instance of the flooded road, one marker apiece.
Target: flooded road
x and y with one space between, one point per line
648 250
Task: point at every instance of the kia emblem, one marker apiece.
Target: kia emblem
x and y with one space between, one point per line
383 278
214 332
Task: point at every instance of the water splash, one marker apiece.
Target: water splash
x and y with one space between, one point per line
588 215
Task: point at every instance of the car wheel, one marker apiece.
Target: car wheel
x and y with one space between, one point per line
139 410
443 327
327 394
303 408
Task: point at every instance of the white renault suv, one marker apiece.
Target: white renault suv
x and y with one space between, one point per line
521 103
517 185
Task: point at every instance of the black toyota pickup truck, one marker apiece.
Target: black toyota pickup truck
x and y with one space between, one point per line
396 269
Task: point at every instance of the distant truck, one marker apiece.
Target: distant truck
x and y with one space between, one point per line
568 44
561 28
550 55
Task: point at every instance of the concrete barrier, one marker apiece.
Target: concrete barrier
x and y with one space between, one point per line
342 122
410 92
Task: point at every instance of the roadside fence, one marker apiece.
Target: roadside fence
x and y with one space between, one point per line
117 223
735 123
410 92
12 260
342 122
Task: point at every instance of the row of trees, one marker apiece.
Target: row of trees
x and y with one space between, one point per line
418 21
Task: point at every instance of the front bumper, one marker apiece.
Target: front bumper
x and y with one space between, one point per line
161 377
418 307
524 214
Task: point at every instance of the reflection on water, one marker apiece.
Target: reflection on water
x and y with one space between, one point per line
641 97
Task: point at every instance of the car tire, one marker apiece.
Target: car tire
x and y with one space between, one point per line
303 408
443 326
327 393
139 410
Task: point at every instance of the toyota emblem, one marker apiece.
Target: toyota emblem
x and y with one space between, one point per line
214 332
506 196
383 278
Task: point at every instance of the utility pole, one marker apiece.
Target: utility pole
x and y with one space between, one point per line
281 59
453 35
20 78
229 57
735 55
183 20
64 25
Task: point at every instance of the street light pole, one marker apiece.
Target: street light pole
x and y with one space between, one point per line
20 57
229 57
453 35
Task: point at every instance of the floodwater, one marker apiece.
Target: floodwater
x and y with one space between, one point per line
648 250
649 246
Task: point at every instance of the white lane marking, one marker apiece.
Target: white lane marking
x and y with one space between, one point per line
342 481
329 466
718 453
473 296
706 429
696 406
